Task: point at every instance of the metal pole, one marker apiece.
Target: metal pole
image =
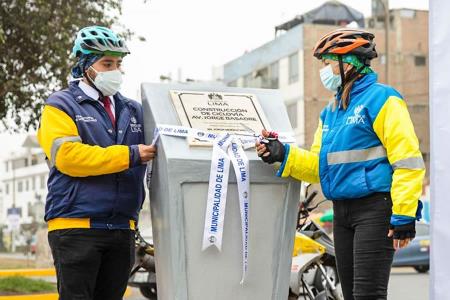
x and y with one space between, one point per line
387 21
13 246
14 185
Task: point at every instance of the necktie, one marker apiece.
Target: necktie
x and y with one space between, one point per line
107 104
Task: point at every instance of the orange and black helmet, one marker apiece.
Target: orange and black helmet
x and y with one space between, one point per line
347 41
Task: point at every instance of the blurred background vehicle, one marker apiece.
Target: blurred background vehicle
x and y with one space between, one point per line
417 253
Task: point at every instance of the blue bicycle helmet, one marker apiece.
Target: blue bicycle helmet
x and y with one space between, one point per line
98 40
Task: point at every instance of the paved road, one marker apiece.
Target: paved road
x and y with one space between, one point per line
405 284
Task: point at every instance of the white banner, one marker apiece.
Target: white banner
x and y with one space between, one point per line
439 43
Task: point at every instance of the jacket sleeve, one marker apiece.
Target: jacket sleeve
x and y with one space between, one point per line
59 138
302 164
395 129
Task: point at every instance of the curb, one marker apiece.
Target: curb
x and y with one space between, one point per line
51 296
28 272
37 273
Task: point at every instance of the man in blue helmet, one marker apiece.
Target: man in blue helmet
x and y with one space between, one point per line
94 140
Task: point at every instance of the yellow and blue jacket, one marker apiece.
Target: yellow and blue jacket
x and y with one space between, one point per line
96 176
369 147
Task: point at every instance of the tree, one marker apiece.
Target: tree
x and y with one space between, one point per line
36 38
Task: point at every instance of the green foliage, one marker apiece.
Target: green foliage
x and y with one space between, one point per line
36 38
22 285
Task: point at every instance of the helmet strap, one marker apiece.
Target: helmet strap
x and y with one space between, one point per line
356 74
341 70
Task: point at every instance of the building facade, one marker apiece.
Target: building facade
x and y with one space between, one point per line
23 182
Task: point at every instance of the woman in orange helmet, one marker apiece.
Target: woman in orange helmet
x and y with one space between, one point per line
366 157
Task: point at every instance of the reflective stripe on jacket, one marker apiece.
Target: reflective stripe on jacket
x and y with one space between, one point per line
369 147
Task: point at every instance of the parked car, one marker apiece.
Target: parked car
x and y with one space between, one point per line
417 253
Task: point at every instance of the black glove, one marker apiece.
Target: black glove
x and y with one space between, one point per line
276 149
403 232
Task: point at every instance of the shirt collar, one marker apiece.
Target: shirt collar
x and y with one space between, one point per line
88 90
91 92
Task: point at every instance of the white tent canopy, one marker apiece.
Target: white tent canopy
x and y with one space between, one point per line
440 146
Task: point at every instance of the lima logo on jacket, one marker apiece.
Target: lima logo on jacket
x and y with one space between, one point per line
356 118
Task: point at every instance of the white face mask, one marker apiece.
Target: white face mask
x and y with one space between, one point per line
330 80
109 82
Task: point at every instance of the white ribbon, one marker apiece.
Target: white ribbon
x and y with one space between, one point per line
150 163
217 193
182 131
241 169
226 148
247 139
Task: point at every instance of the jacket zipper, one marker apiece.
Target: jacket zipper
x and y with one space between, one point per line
119 117
105 115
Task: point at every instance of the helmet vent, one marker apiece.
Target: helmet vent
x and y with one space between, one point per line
344 44
89 43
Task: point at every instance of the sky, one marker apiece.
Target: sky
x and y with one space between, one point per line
188 38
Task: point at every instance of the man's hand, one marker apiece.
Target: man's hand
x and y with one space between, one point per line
147 153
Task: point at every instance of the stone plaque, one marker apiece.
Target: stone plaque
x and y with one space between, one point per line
220 112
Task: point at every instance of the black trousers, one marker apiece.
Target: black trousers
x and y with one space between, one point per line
364 253
92 264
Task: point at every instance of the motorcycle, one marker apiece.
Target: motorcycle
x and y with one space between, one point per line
143 273
314 272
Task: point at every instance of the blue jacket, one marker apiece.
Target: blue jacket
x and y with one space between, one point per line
96 178
369 147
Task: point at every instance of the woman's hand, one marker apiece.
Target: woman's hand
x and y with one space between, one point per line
271 150
402 234
260 147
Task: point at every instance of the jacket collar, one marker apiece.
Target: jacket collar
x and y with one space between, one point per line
360 85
